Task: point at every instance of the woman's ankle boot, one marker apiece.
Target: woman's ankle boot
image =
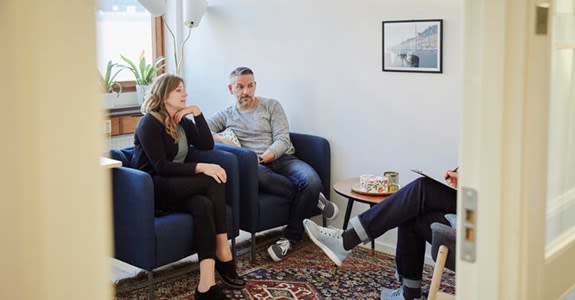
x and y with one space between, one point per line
227 271
214 293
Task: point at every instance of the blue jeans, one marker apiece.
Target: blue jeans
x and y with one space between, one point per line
412 209
292 178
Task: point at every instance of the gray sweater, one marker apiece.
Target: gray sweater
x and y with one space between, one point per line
263 128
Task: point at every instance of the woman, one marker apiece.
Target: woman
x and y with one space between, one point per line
162 140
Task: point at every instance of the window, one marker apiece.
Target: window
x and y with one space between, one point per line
125 27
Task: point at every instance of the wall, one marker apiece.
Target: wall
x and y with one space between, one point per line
322 60
55 215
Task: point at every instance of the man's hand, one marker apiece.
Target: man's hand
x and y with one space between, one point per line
451 178
192 109
266 157
215 171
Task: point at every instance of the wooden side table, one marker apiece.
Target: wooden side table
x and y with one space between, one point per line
343 188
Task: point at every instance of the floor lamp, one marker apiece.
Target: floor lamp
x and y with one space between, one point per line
192 13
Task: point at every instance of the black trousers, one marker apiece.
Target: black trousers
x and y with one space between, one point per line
201 196
412 210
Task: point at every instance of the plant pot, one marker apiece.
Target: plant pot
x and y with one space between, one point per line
110 99
141 91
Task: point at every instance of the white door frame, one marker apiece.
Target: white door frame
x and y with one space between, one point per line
504 155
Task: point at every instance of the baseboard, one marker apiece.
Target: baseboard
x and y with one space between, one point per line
389 248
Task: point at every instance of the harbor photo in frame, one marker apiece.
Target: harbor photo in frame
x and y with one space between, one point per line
413 46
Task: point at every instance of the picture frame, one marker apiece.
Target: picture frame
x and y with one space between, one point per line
412 46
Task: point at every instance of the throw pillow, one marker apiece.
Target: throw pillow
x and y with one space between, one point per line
229 133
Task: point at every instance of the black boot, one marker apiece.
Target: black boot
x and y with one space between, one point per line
227 271
214 293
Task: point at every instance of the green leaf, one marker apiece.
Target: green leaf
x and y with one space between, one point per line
144 72
108 79
132 67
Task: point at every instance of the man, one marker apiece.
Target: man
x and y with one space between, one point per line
260 125
412 209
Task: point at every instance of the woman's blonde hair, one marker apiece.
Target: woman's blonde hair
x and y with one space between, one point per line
154 104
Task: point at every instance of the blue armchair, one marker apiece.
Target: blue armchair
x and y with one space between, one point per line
148 240
260 211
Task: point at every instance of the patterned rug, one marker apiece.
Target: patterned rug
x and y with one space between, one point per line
305 274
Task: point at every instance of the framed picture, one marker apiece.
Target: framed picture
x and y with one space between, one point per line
413 46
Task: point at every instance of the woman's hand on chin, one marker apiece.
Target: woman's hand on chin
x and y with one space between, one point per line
192 109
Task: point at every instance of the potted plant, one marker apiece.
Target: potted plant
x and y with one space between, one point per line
109 86
144 73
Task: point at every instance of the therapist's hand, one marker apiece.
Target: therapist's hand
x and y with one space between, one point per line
451 178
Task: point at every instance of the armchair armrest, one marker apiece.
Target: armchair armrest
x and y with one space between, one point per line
133 197
229 162
248 180
315 151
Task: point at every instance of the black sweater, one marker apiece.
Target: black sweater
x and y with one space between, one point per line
155 149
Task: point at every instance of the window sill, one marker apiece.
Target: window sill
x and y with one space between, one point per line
124 110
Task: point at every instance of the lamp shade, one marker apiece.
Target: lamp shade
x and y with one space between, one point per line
155 7
193 12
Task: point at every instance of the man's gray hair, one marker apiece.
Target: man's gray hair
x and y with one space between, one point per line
240 71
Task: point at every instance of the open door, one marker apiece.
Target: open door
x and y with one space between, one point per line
516 228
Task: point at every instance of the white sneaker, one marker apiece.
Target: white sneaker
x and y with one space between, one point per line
389 294
280 249
328 240
328 209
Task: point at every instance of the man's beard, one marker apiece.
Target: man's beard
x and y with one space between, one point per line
246 100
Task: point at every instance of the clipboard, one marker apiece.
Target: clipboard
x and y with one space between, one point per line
433 178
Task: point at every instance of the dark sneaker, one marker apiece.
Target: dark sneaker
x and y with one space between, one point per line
328 209
280 249
328 240
389 294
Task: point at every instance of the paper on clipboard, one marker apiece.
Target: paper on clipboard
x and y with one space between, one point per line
432 177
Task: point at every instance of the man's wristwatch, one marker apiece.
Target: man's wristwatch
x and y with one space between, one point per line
260 159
